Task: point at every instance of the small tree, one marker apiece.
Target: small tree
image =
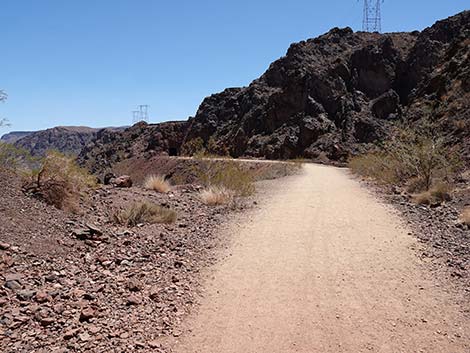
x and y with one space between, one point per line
414 154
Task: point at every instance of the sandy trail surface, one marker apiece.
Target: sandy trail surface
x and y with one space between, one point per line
322 266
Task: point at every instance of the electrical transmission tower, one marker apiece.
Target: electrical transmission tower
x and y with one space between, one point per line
372 21
141 114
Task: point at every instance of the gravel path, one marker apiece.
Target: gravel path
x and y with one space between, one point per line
322 266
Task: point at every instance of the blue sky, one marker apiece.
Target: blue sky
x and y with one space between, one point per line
90 62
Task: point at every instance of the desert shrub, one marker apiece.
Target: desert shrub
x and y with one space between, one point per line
376 165
460 125
435 195
59 181
144 212
413 156
157 183
12 157
230 175
214 196
192 147
217 149
465 216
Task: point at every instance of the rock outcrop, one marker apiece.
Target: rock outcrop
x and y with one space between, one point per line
142 139
66 139
333 95
14 136
327 99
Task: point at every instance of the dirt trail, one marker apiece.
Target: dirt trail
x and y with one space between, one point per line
324 267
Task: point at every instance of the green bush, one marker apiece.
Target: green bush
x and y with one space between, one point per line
414 157
12 157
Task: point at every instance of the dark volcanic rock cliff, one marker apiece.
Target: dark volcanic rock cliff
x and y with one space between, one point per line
329 97
140 140
333 95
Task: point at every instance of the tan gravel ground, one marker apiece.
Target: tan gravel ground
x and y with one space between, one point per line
322 266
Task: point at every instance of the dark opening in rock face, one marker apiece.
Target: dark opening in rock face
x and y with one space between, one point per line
173 151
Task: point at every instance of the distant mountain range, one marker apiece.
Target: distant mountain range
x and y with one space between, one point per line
67 139
14 136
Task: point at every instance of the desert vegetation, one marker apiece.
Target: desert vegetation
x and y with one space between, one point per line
58 180
14 158
215 196
197 148
157 183
228 175
465 216
415 159
144 212
192 147
437 194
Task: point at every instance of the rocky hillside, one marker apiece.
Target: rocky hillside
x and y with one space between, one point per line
67 139
328 98
14 136
332 95
142 140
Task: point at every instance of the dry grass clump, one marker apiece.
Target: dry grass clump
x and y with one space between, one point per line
376 166
227 174
59 181
437 194
465 216
157 183
215 196
144 212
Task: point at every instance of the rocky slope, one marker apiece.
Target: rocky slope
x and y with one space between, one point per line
140 140
64 288
14 136
67 139
332 95
328 98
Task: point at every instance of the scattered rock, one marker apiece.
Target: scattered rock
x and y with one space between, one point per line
87 314
71 333
13 285
41 297
47 321
134 300
123 181
25 294
134 285
4 246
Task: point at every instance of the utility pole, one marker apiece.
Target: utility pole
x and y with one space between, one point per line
372 21
143 108
141 114
135 116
